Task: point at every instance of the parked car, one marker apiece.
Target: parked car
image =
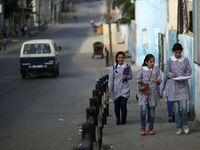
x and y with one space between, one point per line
39 56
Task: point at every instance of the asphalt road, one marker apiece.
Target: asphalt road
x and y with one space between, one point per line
41 112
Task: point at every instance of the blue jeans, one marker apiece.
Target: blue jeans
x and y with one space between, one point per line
151 115
169 108
180 120
121 103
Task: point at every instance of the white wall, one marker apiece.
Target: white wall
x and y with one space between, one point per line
196 56
124 30
197 92
45 10
172 14
113 34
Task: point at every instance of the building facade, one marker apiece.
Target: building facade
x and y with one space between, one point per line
46 11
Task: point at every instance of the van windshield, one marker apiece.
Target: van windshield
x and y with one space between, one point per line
36 49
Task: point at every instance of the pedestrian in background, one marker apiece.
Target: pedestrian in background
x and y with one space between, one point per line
169 103
76 18
25 30
5 31
149 100
178 91
92 23
118 86
4 43
22 31
16 29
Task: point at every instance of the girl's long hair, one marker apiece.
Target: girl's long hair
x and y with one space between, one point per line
118 53
147 58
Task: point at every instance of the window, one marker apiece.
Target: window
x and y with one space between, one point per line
37 49
190 22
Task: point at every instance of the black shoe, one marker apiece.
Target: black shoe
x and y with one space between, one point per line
118 122
123 122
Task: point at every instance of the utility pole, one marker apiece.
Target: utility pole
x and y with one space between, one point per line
22 5
39 16
57 10
1 16
185 16
53 11
109 29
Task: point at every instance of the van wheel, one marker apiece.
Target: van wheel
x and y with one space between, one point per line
23 75
55 74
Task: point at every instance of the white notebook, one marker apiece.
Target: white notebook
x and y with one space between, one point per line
180 78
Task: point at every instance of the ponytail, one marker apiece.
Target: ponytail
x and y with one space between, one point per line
147 58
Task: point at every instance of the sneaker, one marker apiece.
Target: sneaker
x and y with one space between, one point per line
142 131
170 119
150 131
186 129
178 131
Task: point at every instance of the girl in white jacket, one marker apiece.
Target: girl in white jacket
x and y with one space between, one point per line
118 86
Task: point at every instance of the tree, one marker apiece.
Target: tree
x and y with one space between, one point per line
10 6
30 4
128 10
29 7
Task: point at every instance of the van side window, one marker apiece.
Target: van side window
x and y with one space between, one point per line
46 49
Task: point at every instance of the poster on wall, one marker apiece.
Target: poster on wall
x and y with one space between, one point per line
148 28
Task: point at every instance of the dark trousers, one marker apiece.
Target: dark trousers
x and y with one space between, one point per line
4 46
169 108
121 103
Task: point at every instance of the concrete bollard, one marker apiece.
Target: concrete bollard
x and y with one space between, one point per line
94 103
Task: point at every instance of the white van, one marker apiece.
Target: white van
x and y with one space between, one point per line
39 56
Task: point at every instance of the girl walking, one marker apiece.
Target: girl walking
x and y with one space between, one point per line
150 99
118 86
178 91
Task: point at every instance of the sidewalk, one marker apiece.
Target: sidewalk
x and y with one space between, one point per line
13 40
127 137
